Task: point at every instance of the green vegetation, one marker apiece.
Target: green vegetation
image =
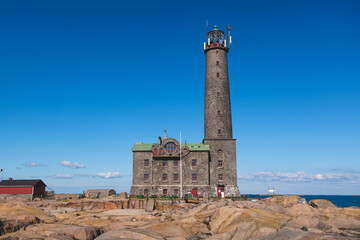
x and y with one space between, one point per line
169 197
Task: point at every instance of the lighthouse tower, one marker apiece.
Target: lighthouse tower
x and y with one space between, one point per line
217 117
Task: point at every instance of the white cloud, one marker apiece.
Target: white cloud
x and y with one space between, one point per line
302 177
32 164
319 176
74 165
63 176
109 175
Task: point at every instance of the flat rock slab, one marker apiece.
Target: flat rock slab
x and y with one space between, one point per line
150 205
125 212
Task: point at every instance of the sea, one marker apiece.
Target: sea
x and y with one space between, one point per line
338 200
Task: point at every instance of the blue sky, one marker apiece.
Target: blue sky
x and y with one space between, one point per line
82 81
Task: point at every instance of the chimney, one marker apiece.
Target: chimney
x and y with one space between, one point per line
10 178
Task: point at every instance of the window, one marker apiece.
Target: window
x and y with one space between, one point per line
164 163
218 113
218 74
220 177
146 162
176 177
146 192
219 131
194 162
218 94
217 62
146 178
176 192
170 147
220 163
164 191
176 163
194 177
220 152
164 177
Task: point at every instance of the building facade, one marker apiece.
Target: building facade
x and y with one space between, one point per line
206 169
28 189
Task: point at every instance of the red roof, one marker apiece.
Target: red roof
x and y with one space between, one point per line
22 183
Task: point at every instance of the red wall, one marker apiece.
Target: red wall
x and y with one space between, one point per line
15 190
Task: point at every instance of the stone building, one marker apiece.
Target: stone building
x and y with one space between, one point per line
206 169
99 193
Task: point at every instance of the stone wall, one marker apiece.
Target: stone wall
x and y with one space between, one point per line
217 96
156 185
28 197
63 196
228 170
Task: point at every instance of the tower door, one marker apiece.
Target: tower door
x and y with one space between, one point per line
194 193
219 191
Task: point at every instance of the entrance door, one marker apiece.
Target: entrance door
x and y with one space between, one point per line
194 193
219 191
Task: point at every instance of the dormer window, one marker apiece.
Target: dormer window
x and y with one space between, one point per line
170 147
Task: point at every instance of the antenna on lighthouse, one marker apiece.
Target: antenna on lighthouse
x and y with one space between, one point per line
228 28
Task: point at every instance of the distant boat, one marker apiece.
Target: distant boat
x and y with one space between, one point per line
271 191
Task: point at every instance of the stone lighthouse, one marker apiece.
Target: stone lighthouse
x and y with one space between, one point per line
206 169
217 115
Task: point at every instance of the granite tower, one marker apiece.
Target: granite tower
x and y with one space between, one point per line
217 114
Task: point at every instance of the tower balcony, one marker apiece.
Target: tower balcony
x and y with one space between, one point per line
217 39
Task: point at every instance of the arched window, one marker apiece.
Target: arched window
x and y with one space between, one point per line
170 147
220 152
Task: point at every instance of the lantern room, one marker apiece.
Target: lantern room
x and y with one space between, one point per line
216 38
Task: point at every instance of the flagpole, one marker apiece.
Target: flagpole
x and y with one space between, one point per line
181 190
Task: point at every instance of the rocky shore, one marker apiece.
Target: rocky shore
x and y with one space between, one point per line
278 217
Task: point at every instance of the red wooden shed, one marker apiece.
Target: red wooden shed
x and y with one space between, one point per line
28 188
